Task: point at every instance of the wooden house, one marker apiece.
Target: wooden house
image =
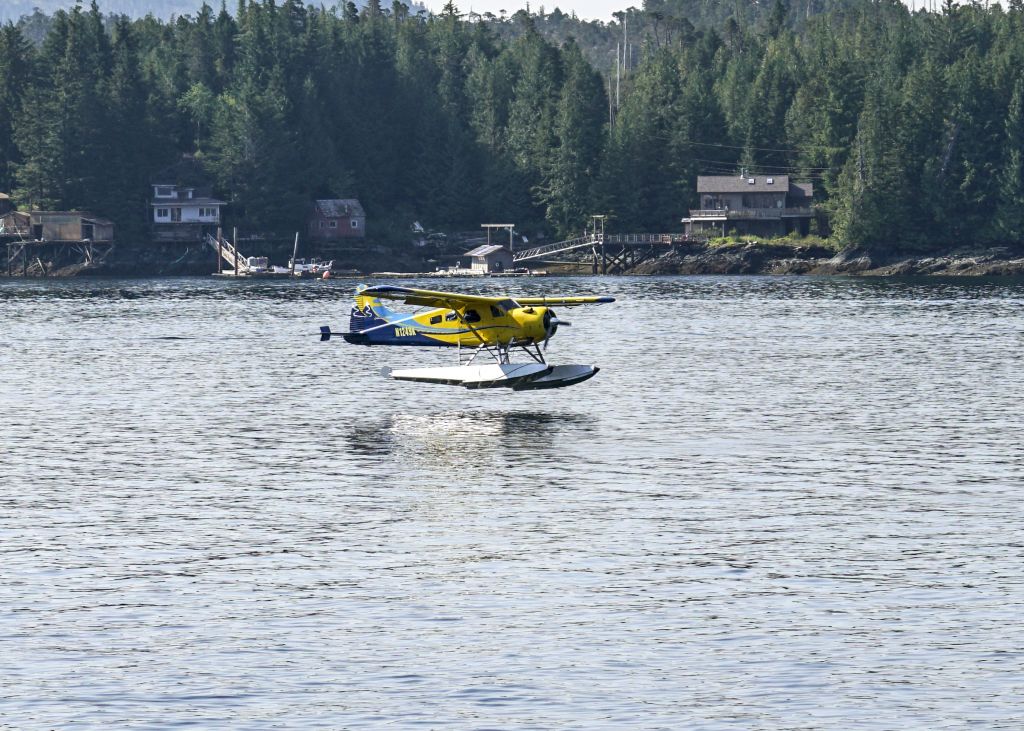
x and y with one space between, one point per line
755 205
62 226
336 218
489 259
6 204
183 207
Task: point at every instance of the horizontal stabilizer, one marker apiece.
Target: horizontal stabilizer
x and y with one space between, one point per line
325 333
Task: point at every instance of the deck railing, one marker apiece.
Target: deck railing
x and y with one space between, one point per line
749 213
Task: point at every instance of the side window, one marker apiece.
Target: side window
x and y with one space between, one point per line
495 312
471 316
435 319
451 316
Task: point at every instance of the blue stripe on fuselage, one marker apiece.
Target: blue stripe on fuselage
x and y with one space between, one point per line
375 324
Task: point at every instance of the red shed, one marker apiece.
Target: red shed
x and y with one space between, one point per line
340 218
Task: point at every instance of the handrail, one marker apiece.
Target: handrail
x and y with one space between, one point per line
739 213
229 253
597 239
556 247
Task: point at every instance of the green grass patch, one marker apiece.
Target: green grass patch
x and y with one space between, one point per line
792 239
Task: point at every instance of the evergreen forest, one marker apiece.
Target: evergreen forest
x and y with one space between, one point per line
909 124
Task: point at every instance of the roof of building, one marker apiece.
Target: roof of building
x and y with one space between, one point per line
339 207
485 250
4 197
806 189
197 201
752 184
738 184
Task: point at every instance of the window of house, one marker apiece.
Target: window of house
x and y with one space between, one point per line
164 191
323 224
162 213
355 223
334 224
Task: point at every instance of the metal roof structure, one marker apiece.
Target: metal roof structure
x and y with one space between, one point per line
340 207
752 184
485 250
746 184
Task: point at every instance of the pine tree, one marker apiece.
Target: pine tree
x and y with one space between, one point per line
16 64
1009 218
579 133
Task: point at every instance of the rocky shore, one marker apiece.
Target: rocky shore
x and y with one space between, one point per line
758 258
740 258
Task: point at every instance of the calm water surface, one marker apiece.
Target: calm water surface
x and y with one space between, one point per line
782 504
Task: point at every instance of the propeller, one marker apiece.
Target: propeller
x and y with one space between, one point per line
551 323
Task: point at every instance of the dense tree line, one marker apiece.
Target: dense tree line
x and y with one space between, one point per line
911 125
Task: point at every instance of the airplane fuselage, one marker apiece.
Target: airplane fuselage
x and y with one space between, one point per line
373 323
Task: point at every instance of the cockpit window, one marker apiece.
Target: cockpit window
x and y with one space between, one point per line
471 316
495 312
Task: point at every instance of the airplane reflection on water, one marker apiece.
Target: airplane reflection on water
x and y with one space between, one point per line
464 437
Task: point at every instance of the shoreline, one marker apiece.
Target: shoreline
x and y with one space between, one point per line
797 260
753 258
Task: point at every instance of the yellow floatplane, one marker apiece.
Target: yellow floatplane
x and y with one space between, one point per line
488 328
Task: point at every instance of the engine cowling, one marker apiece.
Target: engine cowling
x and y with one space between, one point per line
534 324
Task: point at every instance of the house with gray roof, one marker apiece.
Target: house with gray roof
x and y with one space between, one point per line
336 218
750 205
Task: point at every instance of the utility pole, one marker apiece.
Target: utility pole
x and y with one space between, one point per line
618 67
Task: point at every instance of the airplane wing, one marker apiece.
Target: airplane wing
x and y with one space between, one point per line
428 298
563 301
455 300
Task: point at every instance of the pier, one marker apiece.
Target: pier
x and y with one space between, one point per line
611 254
45 243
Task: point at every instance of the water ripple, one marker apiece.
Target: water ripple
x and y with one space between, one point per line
783 503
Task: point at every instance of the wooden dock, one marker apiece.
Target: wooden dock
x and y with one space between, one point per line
32 258
611 254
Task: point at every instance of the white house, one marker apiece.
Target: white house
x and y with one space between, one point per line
173 204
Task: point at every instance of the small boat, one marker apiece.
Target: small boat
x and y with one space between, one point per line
314 267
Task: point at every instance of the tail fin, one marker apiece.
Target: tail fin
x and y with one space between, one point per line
325 333
363 316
